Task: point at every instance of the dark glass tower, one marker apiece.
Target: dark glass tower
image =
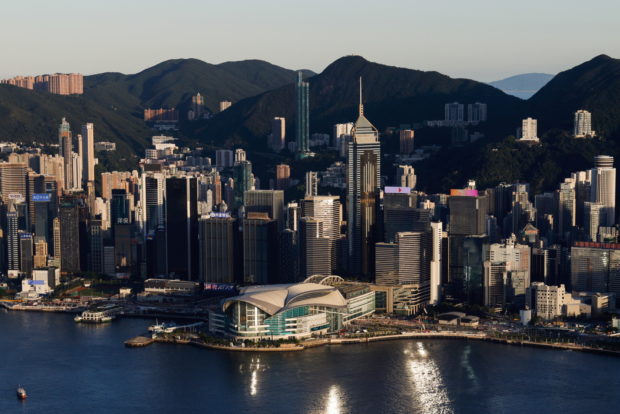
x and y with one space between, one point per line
182 227
69 236
303 117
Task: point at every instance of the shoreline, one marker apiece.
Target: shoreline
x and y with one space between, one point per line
328 341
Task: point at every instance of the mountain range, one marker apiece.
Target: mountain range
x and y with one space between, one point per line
522 86
392 96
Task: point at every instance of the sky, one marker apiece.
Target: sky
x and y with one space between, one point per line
478 39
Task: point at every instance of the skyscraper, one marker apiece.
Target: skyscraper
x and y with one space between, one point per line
66 151
583 124
405 176
278 133
260 257
303 117
328 210
316 252
244 181
69 236
312 183
603 188
283 176
88 153
182 227
363 183
217 249
270 202
406 141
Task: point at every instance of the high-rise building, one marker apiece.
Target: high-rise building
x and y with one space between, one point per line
278 133
182 227
95 256
363 183
315 248
283 176
567 208
341 138
152 200
400 213
468 214
529 130
69 236
405 176
454 112
595 267
270 202
26 253
583 124
244 181
218 248
476 112
240 156
513 278
406 141
303 117
546 300
312 183
260 258
87 153
224 159
592 219
198 106
40 254
12 235
13 181
603 188
66 151
328 210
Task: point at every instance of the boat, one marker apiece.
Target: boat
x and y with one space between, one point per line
99 314
163 327
21 393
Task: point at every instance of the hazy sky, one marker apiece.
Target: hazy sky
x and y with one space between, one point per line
480 39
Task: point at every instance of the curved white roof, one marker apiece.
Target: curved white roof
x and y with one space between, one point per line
277 298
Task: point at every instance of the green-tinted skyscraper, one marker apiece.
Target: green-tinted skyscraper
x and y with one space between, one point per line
303 117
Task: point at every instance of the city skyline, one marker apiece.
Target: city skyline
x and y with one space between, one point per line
428 38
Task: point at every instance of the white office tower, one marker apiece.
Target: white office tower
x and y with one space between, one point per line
87 152
583 124
477 112
342 135
592 219
437 236
278 133
316 247
507 272
76 166
240 156
529 130
223 159
405 176
454 112
328 210
312 183
603 188
152 202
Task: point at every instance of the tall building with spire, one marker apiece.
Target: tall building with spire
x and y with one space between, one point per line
303 117
363 182
66 151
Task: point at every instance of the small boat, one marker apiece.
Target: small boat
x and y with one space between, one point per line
78 318
163 327
21 393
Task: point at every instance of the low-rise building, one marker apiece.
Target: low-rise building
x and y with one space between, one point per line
296 310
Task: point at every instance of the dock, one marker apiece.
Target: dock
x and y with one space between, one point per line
139 341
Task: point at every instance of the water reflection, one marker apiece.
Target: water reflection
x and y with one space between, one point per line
253 368
426 379
334 401
466 364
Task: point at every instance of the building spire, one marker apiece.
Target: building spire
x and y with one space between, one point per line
361 104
